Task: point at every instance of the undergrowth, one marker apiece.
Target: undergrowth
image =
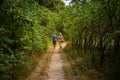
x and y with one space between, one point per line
78 66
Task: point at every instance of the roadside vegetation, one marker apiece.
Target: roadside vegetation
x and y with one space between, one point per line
93 30
25 32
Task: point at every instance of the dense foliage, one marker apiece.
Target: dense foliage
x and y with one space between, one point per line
93 27
53 5
25 28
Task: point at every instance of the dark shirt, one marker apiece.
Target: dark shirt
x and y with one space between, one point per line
54 37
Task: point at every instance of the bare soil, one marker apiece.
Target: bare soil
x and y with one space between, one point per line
56 71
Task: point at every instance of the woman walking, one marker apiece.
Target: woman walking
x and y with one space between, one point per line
60 39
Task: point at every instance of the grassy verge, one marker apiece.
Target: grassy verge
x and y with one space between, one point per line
75 66
37 63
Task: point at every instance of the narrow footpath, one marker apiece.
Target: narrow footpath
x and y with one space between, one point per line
56 71
53 61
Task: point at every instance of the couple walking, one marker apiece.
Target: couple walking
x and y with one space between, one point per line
58 38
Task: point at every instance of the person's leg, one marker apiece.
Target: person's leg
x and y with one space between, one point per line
60 44
54 44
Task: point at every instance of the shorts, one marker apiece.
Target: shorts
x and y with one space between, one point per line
54 42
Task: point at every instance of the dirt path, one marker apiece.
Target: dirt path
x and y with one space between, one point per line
56 66
49 67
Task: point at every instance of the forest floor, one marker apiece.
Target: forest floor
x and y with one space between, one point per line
50 66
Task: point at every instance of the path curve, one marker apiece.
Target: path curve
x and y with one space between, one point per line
56 71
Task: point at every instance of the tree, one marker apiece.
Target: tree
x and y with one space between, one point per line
53 5
25 29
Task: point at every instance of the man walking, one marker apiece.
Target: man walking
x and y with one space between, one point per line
54 38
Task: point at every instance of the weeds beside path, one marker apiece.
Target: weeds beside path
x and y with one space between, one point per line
76 68
40 71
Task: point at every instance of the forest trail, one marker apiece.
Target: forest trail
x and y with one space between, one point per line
56 71
53 61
